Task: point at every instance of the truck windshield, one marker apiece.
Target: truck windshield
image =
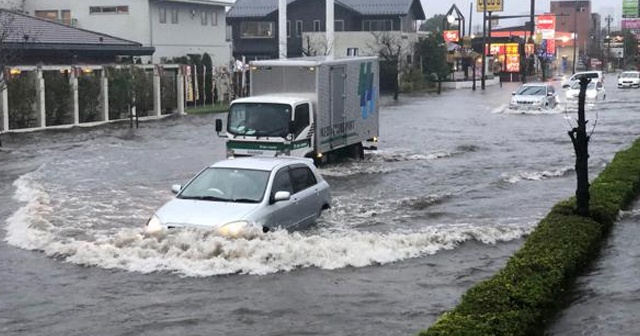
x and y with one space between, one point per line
259 119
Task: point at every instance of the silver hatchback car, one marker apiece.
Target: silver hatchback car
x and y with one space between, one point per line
252 194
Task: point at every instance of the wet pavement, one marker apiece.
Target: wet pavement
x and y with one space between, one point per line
458 182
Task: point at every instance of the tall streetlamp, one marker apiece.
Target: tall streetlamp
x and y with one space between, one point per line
575 35
484 46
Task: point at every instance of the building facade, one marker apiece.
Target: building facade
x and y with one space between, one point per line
574 17
174 27
254 26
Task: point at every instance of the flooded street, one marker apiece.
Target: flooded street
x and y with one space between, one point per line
458 182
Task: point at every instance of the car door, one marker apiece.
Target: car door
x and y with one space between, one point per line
552 98
306 195
282 214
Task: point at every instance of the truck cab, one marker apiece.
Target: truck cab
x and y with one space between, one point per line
272 125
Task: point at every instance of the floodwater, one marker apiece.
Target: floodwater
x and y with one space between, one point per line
458 182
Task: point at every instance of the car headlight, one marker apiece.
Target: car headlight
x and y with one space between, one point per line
234 229
154 225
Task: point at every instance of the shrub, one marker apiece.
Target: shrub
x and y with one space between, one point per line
520 297
58 98
22 98
89 98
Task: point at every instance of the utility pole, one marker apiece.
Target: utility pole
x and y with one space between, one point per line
575 35
484 45
609 20
580 141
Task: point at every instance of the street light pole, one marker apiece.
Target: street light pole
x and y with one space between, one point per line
580 141
484 45
575 35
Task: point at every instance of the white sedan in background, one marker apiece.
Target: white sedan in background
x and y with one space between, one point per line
629 79
595 91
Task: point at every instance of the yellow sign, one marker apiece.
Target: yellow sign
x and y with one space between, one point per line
492 5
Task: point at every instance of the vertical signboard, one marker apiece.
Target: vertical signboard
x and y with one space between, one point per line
629 8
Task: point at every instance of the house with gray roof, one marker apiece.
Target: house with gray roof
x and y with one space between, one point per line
254 25
30 40
174 28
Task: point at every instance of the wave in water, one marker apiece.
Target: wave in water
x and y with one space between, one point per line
201 253
513 178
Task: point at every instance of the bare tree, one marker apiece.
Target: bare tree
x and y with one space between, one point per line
308 47
392 51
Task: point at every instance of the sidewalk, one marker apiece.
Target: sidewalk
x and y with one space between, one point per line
606 300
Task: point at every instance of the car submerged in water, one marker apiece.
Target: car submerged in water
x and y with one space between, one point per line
629 79
595 91
534 96
247 195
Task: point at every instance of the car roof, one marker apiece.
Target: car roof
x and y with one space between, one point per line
260 162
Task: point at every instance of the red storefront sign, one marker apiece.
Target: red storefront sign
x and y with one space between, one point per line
451 36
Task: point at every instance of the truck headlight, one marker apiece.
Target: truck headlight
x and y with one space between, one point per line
154 225
234 229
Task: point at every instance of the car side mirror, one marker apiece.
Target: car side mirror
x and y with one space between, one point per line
176 188
218 125
292 127
281 196
513 93
549 94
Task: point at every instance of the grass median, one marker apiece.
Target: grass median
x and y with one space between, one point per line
522 296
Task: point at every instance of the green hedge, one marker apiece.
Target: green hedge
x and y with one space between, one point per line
525 293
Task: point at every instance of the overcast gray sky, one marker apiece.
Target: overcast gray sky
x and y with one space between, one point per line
516 7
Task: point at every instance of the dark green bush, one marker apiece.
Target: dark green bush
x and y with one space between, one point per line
520 297
169 92
89 99
120 92
22 101
58 98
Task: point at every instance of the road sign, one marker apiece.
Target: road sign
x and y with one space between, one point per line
492 5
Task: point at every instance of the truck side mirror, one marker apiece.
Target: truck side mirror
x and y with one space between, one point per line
218 125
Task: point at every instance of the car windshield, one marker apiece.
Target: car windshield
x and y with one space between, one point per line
532 91
227 185
259 119
630 75
590 86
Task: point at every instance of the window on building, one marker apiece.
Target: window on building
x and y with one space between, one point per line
317 26
256 29
352 51
229 31
288 28
109 10
338 25
48 14
163 14
299 28
214 18
203 18
174 15
65 17
377 25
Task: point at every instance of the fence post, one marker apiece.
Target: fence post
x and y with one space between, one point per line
157 98
180 88
73 79
41 97
104 85
5 108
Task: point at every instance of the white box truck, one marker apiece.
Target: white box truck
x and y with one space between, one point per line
315 107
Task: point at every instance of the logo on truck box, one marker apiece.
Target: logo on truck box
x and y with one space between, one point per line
366 90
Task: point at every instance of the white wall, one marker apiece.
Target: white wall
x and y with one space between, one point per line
190 35
142 24
11 4
133 26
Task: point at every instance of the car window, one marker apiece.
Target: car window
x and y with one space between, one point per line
301 118
302 178
282 182
552 90
539 90
227 184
